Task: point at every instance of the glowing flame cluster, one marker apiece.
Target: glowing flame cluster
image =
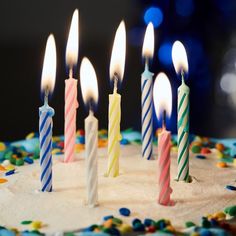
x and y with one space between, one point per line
148 43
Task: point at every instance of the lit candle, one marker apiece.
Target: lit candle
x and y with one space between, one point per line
180 61
117 65
45 115
89 89
71 103
163 105
147 100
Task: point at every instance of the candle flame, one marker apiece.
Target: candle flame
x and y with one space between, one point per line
162 95
148 43
49 65
179 57
117 63
72 46
88 81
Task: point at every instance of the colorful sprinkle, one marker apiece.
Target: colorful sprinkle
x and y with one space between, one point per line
2 180
200 156
124 211
221 164
230 187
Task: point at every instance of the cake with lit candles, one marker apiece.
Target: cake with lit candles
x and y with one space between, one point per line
109 182
199 205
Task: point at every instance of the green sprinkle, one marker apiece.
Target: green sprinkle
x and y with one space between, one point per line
69 234
196 149
117 221
231 210
189 224
26 222
12 160
20 162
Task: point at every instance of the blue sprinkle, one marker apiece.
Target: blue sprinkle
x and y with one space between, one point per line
108 217
28 160
200 157
162 225
82 140
136 221
139 227
230 187
147 222
5 232
11 172
124 211
124 141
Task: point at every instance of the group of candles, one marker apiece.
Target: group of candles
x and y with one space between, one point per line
160 93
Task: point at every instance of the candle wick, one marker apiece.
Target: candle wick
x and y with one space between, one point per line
146 64
116 78
71 73
182 75
46 93
164 120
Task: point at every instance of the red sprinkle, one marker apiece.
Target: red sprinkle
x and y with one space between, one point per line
205 150
151 229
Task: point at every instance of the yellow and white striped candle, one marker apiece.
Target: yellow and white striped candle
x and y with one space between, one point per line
117 65
114 135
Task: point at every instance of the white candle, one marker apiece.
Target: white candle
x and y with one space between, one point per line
89 89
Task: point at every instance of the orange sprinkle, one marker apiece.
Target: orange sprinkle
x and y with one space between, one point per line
220 147
2 168
3 180
221 164
108 223
102 143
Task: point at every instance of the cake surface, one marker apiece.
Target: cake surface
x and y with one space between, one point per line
135 188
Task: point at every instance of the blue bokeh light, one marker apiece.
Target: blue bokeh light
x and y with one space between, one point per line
154 15
184 7
164 53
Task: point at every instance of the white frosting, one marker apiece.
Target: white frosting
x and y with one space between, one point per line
135 188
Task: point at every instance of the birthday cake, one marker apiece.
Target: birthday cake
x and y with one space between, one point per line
126 203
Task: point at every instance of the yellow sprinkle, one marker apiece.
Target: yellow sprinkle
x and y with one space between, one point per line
56 150
2 146
79 147
2 180
221 164
30 135
220 215
102 132
234 162
36 224
195 234
174 149
10 167
56 138
125 228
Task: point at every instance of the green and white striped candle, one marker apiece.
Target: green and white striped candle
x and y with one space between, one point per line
180 61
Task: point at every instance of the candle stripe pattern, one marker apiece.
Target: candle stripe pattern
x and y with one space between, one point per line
71 105
114 135
91 143
183 133
165 190
147 112
45 138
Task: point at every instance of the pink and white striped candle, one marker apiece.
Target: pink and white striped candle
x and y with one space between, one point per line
71 103
163 106
164 145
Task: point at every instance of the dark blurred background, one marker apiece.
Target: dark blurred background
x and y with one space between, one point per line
206 28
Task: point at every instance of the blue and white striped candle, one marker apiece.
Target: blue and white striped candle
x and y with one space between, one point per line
45 138
45 115
147 97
